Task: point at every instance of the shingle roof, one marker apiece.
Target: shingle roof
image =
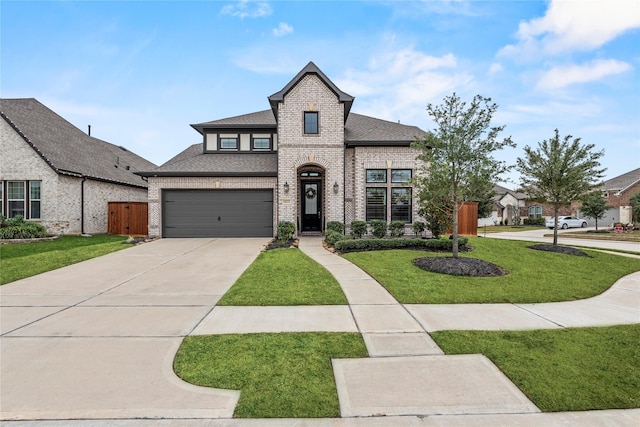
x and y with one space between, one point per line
194 162
358 129
622 182
67 149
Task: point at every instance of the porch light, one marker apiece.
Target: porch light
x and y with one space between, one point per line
336 187
286 187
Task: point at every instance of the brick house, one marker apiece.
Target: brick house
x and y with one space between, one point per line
308 160
618 192
53 173
507 204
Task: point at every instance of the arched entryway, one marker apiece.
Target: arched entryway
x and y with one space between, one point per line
311 199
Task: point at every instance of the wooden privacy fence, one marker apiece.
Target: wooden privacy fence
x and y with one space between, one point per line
128 218
467 219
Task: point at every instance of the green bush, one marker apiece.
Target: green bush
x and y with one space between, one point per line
419 227
358 229
18 228
506 221
396 228
335 226
333 236
378 228
378 244
286 229
534 221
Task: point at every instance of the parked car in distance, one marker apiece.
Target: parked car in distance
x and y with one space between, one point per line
567 222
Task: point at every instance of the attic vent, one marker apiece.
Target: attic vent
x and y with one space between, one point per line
122 148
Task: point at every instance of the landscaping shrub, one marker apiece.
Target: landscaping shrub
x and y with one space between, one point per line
396 228
419 227
286 229
378 228
358 229
333 236
534 221
378 244
506 221
18 228
335 226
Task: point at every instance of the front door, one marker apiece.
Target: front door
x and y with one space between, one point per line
311 205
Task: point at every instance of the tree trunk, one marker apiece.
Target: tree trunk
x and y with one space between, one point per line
455 229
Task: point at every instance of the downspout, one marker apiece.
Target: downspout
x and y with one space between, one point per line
84 178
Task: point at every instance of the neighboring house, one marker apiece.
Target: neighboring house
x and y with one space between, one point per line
618 191
308 160
507 204
53 173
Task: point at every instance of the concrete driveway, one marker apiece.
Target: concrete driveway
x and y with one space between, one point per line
106 330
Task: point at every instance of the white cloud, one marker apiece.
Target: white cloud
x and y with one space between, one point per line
247 9
495 68
399 84
559 77
574 25
282 29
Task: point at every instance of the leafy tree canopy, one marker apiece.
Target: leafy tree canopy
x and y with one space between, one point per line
594 206
458 156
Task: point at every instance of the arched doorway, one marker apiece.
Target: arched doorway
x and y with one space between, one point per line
311 199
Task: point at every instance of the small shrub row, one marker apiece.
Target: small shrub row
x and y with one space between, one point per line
286 230
534 221
18 228
354 245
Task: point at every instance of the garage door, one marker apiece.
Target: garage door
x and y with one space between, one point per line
221 213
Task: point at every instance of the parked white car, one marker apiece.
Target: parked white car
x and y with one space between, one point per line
567 222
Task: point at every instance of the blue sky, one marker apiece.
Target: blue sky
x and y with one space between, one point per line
140 72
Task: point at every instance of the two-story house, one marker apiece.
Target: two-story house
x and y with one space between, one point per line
308 160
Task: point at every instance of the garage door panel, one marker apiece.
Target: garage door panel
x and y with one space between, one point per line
193 213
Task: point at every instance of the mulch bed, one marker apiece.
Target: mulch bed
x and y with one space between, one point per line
281 244
460 266
559 249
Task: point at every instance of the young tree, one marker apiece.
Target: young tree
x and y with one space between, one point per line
458 156
594 206
559 171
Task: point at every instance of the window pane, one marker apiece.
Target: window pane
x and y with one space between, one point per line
34 212
310 122
376 203
376 175
400 175
34 190
261 143
401 204
16 190
15 208
229 143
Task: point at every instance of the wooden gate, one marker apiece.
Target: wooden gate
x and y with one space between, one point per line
128 218
467 219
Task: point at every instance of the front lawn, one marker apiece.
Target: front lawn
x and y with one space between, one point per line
286 375
561 370
534 276
285 277
21 260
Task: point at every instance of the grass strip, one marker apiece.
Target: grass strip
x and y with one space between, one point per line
534 276
576 369
286 375
18 261
285 277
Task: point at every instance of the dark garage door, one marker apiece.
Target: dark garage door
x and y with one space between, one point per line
220 213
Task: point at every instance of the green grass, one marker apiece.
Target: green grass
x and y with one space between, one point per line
534 276
18 261
508 228
287 375
285 277
562 370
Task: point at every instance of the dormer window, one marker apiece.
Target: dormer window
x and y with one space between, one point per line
310 122
227 143
261 144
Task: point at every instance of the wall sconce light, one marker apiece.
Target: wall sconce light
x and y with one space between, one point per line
286 187
335 187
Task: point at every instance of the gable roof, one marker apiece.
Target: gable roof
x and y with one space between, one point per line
622 182
311 68
67 149
260 119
